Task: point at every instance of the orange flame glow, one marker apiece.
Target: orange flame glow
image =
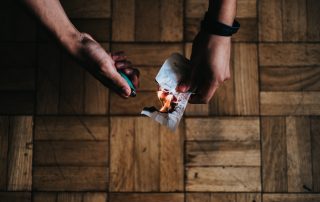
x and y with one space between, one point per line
165 99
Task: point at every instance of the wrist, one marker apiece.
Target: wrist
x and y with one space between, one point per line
71 40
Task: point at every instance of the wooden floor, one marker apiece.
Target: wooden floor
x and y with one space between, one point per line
66 138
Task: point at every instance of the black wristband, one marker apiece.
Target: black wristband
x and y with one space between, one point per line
218 28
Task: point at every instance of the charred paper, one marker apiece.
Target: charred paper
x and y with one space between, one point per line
173 103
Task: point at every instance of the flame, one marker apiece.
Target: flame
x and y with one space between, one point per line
165 99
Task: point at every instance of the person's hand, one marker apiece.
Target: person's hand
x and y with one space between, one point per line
209 61
105 66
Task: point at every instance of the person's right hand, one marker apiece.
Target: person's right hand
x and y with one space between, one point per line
104 66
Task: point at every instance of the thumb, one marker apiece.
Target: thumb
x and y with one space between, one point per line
120 85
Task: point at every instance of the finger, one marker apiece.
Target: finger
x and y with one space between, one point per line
118 56
123 65
120 84
133 75
204 93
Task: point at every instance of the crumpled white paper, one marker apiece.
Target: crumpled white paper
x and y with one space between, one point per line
171 72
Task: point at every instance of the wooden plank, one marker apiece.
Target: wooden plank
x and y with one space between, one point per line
44 196
270 20
99 29
69 197
64 178
171 166
223 179
290 197
71 128
147 78
313 18
26 52
294 20
16 102
144 197
122 154
15 196
247 8
17 78
4 130
248 31
85 9
48 82
135 105
148 54
75 153
290 78
197 110
298 154
71 87
246 79
196 8
147 162
233 129
198 197
171 25
274 154
96 96
123 20
147 20
244 197
191 28
15 21
289 54
315 150
20 154
95 197
223 153
289 103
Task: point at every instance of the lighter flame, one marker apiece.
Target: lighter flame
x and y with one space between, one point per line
165 100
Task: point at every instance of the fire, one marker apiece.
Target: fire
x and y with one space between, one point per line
166 100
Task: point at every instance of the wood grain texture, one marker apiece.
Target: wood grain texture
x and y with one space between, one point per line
171 15
290 197
99 29
48 80
289 103
223 153
246 79
20 154
270 20
298 154
148 54
66 178
69 197
143 162
72 88
223 197
289 54
315 151
96 96
144 197
294 20
232 129
147 78
313 17
224 179
15 196
123 13
290 78
71 128
274 154
85 9
135 105
4 138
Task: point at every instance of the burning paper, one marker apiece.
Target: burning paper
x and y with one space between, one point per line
173 103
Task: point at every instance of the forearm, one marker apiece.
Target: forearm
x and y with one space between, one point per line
223 11
52 15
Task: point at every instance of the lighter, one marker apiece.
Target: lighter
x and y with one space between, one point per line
133 89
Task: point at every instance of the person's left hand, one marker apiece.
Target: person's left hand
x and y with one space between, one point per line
209 61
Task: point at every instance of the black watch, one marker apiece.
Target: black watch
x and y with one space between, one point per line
218 28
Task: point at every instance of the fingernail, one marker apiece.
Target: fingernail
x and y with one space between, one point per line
126 91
